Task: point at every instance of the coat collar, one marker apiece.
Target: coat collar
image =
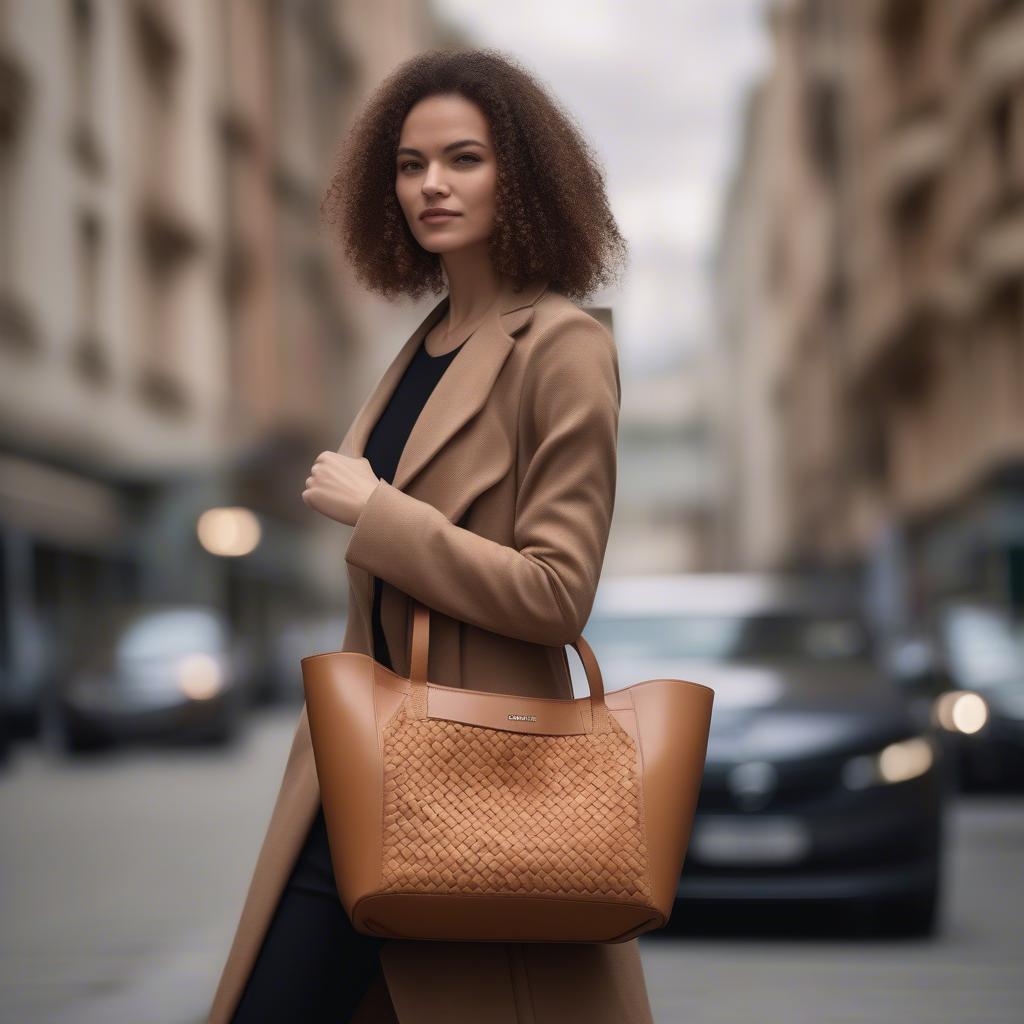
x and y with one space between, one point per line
461 391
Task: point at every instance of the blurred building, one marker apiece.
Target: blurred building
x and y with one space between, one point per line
871 300
664 516
176 334
661 520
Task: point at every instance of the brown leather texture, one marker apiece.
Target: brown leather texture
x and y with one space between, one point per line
474 810
501 818
497 519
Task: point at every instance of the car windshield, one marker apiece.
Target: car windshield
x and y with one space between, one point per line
730 637
986 648
169 633
144 633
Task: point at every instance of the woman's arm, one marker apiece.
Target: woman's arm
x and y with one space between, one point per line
542 589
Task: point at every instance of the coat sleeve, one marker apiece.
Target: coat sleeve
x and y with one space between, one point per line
541 589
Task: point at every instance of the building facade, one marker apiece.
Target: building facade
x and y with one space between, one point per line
871 300
176 331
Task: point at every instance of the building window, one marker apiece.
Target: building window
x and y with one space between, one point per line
90 353
84 144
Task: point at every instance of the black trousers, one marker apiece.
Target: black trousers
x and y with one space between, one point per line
313 966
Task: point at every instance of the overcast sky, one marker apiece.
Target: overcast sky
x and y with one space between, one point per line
658 87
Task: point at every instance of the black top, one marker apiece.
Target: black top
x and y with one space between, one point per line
387 440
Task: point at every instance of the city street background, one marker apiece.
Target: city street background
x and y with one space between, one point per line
820 494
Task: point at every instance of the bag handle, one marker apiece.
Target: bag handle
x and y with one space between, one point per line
601 720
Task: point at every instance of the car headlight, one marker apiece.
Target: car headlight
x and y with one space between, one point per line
897 762
200 676
961 711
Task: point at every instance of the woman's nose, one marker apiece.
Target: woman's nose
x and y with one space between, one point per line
433 184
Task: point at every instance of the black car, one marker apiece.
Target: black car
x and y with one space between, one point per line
822 783
972 655
145 672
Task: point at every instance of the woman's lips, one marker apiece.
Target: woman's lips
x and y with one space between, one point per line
438 218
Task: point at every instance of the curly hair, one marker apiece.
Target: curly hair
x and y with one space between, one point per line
552 216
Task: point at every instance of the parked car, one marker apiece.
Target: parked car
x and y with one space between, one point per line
823 782
145 672
292 641
975 652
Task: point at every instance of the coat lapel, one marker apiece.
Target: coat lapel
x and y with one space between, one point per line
462 390
460 394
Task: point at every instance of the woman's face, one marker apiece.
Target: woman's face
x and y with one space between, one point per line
445 158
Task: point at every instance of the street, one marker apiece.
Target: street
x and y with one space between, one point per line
123 876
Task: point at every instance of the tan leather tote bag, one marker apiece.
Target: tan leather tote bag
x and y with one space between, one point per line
463 815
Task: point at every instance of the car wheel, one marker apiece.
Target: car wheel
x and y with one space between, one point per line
5 740
225 729
69 738
915 915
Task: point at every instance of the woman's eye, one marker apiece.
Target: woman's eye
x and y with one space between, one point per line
415 163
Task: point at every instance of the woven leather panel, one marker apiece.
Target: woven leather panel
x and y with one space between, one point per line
474 810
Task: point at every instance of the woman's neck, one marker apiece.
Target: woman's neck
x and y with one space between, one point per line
473 287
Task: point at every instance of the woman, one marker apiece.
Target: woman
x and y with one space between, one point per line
479 477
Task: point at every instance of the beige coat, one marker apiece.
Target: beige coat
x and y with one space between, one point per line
498 520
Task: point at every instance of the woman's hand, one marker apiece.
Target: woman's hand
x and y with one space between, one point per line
338 486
